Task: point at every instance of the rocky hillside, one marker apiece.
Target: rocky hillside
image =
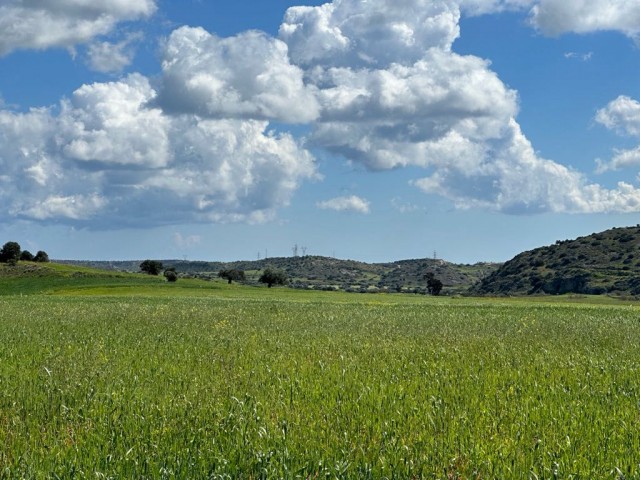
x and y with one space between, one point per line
606 262
334 274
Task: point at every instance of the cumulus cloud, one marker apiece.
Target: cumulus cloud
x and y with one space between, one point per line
621 115
246 76
107 159
351 203
392 93
107 57
42 24
556 17
377 81
372 33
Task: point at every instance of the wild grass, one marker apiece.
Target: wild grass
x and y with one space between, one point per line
365 386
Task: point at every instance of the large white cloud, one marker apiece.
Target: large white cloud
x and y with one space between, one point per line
246 76
393 93
108 159
41 24
372 33
377 81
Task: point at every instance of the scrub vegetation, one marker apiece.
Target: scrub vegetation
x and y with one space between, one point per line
131 376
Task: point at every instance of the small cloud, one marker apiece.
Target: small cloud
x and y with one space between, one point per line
346 204
106 57
584 57
403 207
186 242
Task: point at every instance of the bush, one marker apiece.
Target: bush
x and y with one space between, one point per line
171 275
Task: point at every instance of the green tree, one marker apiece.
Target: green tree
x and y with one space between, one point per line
151 267
10 253
26 256
41 256
273 277
434 286
232 275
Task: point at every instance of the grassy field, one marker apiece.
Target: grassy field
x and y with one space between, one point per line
206 380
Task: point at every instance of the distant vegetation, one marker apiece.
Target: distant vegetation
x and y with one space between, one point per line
606 262
11 253
325 273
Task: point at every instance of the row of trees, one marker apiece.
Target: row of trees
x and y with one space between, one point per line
11 252
270 276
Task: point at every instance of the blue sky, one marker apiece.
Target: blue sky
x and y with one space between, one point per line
375 130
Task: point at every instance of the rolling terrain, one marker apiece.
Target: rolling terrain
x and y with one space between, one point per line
325 273
606 262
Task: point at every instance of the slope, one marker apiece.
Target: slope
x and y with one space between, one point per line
605 262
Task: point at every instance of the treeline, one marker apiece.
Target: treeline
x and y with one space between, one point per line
11 253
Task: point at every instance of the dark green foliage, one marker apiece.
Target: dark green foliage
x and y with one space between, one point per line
434 286
273 277
171 275
596 264
151 267
10 253
232 275
26 256
41 257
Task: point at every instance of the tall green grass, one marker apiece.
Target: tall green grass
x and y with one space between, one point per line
153 387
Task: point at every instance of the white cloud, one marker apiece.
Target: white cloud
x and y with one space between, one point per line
393 94
372 33
556 17
189 241
585 57
246 76
621 115
351 203
42 24
106 160
107 57
109 123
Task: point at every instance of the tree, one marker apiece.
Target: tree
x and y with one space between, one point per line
10 253
171 275
434 286
273 277
41 256
231 275
26 256
151 267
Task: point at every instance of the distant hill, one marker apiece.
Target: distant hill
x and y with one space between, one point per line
330 273
605 262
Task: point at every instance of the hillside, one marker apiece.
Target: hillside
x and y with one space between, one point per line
28 278
605 262
333 274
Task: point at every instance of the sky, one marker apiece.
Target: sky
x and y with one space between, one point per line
374 130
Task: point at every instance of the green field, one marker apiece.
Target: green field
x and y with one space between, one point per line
204 380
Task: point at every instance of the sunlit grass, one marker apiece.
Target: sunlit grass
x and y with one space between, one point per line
284 386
